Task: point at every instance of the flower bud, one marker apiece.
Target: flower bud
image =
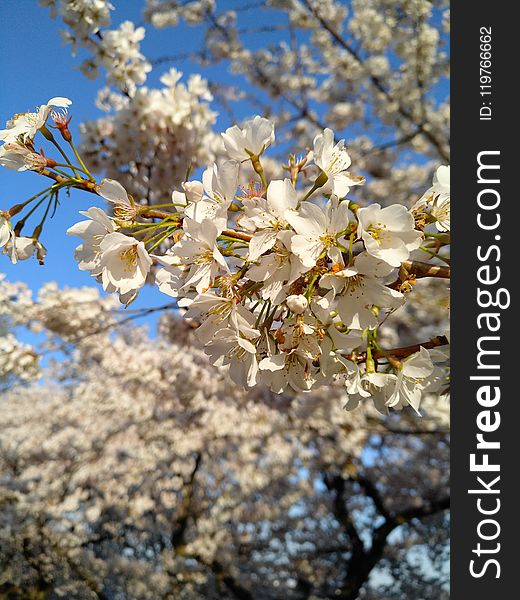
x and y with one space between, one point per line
61 122
297 303
193 190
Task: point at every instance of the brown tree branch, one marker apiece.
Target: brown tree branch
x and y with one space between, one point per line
84 184
178 537
403 352
422 269
221 574
362 562
337 484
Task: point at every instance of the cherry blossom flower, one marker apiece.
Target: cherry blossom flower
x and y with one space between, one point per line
194 190
229 349
334 160
92 231
219 313
6 231
201 253
318 230
125 208
267 216
288 369
298 345
437 199
22 248
441 180
376 386
332 363
357 289
124 262
256 135
220 184
345 342
26 125
172 276
388 233
19 158
277 269
297 303
411 380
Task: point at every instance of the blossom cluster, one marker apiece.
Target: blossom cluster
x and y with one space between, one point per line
287 282
287 286
18 153
17 359
149 141
117 50
52 317
167 14
112 448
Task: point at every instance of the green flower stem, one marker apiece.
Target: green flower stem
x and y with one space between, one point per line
257 166
76 168
226 252
310 192
18 207
445 237
353 206
64 173
21 223
242 272
351 247
80 160
270 318
268 321
161 239
166 205
249 290
62 152
435 254
151 228
260 315
370 363
38 229
310 289
321 180
228 238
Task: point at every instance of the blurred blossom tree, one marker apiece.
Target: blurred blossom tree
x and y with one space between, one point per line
136 471
131 466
